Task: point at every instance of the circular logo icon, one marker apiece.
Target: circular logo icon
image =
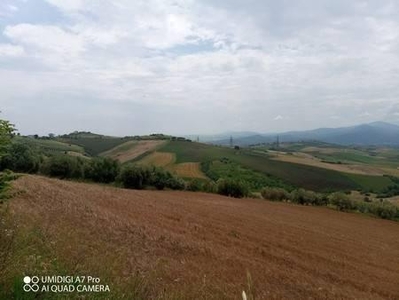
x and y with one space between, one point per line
31 284
35 279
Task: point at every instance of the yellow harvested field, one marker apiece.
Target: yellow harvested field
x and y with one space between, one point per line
346 168
159 159
190 169
130 150
185 245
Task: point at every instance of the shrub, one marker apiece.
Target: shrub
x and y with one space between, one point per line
232 188
139 177
195 185
5 177
384 210
104 170
175 183
133 177
20 158
303 197
275 194
210 187
341 201
64 166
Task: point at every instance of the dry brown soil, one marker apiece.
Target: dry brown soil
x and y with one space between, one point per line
204 245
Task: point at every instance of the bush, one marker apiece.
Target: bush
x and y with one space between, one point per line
232 188
20 158
341 201
139 177
64 166
104 170
133 177
5 177
194 185
275 194
384 210
210 187
304 197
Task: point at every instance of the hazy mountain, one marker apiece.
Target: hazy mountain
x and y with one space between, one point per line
377 133
221 136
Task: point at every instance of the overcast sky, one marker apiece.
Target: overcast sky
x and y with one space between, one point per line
127 67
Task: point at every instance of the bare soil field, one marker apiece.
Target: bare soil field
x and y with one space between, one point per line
159 159
204 246
190 169
130 150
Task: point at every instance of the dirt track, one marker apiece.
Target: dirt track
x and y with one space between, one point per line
204 244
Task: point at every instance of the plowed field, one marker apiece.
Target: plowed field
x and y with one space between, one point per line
196 246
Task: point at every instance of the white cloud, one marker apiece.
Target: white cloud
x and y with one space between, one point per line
11 50
44 37
12 8
314 62
69 5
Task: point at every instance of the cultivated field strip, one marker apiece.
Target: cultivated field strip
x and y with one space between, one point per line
189 170
159 159
203 245
132 149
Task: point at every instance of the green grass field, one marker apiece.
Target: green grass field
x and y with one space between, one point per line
375 184
50 146
228 169
97 145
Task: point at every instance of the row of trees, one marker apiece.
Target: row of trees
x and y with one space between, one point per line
341 201
25 159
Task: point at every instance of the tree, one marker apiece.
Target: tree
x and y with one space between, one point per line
6 133
20 158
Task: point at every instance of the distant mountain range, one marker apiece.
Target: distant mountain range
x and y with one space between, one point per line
377 133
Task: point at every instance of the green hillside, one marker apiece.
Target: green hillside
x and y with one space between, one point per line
50 145
298 175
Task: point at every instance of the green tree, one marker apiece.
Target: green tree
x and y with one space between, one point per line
6 133
20 158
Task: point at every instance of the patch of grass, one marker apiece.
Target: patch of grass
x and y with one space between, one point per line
95 145
48 146
375 184
227 169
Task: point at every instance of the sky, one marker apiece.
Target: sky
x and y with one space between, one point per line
127 67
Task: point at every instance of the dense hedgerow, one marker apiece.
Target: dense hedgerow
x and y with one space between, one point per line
139 177
63 167
341 201
20 158
232 188
275 194
101 169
